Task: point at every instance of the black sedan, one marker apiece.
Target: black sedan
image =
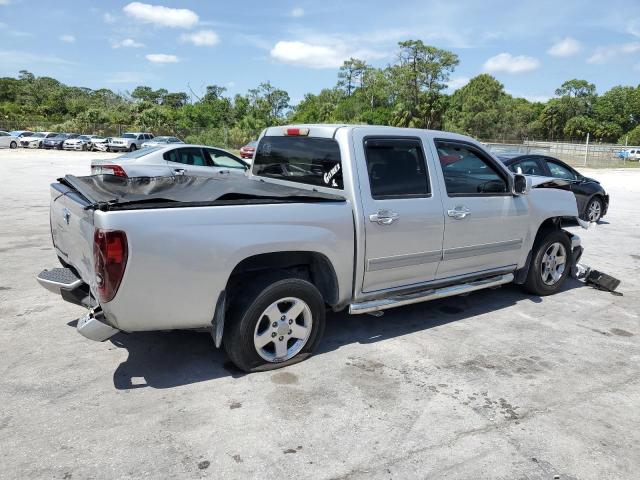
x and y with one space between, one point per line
592 199
58 140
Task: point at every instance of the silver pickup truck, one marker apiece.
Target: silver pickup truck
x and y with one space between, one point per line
329 217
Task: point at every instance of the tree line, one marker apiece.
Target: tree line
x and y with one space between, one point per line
411 92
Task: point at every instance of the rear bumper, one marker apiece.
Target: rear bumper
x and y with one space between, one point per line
64 282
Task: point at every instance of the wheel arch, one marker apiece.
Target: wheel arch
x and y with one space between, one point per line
548 225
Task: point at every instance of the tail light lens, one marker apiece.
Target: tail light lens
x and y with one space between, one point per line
116 170
110 252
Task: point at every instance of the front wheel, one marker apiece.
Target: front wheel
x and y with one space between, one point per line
13 145
274 325
550 264
133 147
593 212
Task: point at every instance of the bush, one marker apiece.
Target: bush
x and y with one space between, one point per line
632 137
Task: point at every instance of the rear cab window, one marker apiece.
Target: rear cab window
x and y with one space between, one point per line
309 160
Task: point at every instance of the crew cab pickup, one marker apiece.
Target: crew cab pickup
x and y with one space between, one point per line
329 217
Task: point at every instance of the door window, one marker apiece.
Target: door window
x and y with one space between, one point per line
560 171
527 166
187 156
396 168
223 159
468 172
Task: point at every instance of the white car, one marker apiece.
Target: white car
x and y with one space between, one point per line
35 140
129 142
7 140
632 154
79 143
161 141
99 143
191 160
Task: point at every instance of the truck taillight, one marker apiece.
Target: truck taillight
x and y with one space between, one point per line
296 132
116 170
110 253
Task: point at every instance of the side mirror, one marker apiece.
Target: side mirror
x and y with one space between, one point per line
521 184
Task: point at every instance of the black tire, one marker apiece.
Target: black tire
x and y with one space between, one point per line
596 204
535 283
84 147
40 145
248 310
13 145
133 147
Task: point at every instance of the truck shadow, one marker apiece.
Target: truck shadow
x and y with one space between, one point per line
169 359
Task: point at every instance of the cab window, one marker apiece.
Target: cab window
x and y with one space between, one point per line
527 166
468 171
396 168
223 159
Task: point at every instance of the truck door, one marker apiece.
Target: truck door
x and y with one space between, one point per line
403 219
485 224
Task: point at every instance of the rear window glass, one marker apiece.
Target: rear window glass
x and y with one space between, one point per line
314 161
140 153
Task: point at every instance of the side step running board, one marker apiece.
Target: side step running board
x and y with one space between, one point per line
58 279
426 295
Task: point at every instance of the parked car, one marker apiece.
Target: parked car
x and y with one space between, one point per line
81 142
99 144
160 141
7 140
592 199
129 141
364 218
248 150
57 141
173 159
630 154
21 133
36 140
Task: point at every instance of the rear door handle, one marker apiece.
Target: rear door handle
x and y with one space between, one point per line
459 212
384 217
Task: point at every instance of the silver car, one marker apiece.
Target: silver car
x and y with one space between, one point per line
161 141
7 140
176 159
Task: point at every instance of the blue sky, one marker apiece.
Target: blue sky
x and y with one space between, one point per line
531 47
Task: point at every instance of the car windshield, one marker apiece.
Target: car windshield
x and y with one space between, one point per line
38 135
139 153
252 144
128 135
84 137
162 139
310 160
62 136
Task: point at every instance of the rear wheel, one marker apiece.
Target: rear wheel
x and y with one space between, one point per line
13 145
550 264
593 212
133 147
274 324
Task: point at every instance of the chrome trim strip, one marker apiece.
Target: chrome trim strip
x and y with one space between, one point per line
426 295
408 260
484 249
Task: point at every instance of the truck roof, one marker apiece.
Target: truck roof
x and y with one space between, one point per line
329 130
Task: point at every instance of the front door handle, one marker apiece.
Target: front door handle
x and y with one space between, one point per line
459 212
384 217
178 171
224 172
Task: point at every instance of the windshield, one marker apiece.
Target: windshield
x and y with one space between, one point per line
314 161
128 135
139 153
38 135
161 139
84 137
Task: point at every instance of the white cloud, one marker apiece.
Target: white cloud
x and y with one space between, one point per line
5 2
161 58
161 16
21 59
565 47
507 63
203 38
318 56
634 27
108 18
457 82
128 43
297 12
610 52
66 38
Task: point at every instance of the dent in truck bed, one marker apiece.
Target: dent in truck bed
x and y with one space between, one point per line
110 192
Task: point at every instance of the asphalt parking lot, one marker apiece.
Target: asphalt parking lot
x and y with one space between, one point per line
497 384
